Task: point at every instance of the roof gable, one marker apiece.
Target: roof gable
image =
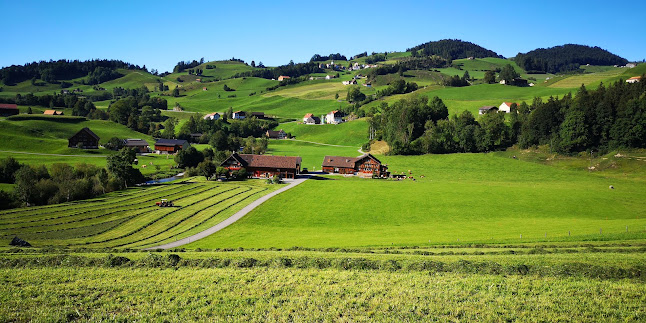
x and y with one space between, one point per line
339 161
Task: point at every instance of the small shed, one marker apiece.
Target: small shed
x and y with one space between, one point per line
170 146
8 109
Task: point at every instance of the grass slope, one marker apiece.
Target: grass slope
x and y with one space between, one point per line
353 133
470 197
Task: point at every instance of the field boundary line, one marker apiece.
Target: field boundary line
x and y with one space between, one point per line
320 143
230 220
44 154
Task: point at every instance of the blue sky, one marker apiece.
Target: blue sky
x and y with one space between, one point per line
160 33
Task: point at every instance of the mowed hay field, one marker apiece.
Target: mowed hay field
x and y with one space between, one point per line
130 218
510 284
463 198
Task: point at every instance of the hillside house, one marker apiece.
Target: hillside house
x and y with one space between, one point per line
170 146
631 65
366 166
334 117
487 109
263 166
212 116
259 115
351 82
329 77
8 110
505 107
283 77
311 119
634 79
280 134
139 145
53 113
238 115
84 139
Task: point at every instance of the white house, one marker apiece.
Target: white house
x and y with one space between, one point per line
351 82
487 109
212 116
631 65
334 117
505 107
311 119
633 79
239 115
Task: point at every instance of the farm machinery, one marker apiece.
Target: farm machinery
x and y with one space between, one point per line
164 203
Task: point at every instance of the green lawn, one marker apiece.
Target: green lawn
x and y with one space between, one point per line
353 133
312 154
471 197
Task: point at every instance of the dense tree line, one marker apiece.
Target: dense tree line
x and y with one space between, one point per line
451 49
292 70
565 58
457 81
426 62
80 106
607 118
137 110
374 58
181 66
54 71
398 87
334 57
37 185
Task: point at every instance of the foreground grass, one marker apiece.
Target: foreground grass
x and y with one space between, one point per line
318 286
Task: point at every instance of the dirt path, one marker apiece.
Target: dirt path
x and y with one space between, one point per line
232 219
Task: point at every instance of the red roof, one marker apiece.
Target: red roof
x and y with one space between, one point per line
8 106
339 161
264 161
308 115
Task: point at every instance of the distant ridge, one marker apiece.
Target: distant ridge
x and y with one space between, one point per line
565 58
453 49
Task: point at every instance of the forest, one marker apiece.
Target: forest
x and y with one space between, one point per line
566 58
54 71
451 49
591 120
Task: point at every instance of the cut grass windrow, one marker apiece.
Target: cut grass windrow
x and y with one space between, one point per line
140 228
190 217
35 215
121 208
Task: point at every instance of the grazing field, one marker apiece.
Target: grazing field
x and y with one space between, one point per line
353 133
463 198
311 153
587 79
130 218
509 284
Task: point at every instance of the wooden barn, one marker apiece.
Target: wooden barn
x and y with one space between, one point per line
85 139
263 166
271 134
139 145
365 165
170 146
8 110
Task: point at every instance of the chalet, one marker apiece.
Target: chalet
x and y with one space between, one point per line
212 116
170 146
8 110
351 82
329 77
239 115
276 134
631 65
264 166
85 139
334 117
259 115
634 79
311 119
283 77
487 109
365 165
53 113
139 145
505 107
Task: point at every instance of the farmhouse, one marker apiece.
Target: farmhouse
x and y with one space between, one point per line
634 79
264 166
139 145
487 109
311 119
259 115
283 77
212 116
239 115
334 117
351 82
365 165
85 139
505 107
170 146
8 110
53 113
276 134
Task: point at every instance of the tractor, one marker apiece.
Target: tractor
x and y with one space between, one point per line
164 203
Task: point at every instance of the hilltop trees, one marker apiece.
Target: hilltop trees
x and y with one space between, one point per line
569 57
451 49
120 166
55 71
508 74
